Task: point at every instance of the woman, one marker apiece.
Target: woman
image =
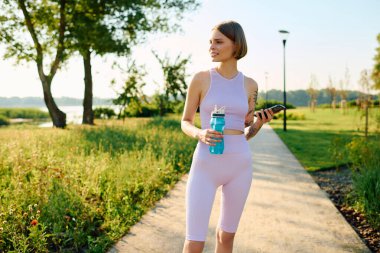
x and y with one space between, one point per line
225 86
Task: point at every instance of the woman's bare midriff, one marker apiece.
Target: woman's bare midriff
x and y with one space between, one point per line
232 131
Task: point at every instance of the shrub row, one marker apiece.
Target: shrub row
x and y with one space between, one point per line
24 113
262 104
4 121
290 116
364 155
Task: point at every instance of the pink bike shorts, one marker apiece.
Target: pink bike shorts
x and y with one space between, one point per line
233 171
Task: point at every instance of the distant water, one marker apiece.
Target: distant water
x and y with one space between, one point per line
73 114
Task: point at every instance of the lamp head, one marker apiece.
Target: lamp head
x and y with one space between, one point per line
284 34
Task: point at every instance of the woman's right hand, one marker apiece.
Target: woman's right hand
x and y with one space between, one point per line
207 136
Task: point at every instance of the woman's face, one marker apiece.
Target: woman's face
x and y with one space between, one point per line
221 47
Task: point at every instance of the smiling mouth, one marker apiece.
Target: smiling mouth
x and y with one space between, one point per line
214 54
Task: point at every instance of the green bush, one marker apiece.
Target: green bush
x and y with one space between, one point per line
365 157
337 149
178 106
3 121
159 106
290 116
143 110
104 113
261 104
364 153
24 113
337 105
352 103
366 185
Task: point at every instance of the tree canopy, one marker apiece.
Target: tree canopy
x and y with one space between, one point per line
59 28
45 21
376 69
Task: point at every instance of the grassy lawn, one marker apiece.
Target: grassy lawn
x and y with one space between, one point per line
82 188
310 140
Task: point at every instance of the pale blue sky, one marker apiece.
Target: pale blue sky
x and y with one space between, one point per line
325 38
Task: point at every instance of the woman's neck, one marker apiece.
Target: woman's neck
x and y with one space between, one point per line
228 69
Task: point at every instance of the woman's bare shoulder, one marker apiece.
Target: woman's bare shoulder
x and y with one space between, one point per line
251 84
202 75
200 79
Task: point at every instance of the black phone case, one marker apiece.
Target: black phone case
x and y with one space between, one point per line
275 109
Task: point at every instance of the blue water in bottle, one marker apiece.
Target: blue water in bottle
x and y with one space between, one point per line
217 123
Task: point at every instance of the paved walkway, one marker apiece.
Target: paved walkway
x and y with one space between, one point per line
286 211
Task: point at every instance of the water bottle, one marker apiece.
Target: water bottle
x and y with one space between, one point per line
217 123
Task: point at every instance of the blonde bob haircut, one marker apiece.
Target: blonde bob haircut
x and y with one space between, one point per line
234 32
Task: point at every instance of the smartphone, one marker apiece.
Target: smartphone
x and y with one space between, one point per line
275 109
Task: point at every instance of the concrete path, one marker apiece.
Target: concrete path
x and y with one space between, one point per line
286 211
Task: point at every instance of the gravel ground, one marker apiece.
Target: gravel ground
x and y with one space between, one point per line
338 183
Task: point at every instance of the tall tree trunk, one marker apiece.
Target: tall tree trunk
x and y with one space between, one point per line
88 114
58 117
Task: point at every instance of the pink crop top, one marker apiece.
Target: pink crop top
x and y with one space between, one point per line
229 93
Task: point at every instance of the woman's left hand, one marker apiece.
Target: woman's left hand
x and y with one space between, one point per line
264 119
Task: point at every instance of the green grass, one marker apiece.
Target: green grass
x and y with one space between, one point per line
329 138
311 140
82 188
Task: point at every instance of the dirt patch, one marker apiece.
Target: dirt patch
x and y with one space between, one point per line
338 183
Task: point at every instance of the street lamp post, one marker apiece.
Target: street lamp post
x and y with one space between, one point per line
284 35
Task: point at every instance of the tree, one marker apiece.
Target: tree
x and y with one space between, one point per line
103 27
365 82
132 90
313 92
343 96
376 69
343 90
332 93
90 34
174 79
45 21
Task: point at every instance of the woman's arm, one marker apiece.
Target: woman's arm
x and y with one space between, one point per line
191 105
251 129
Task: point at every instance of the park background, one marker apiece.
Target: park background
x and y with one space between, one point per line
50 176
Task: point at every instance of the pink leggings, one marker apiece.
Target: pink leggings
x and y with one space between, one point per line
232 170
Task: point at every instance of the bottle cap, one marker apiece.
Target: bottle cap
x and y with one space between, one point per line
218 112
